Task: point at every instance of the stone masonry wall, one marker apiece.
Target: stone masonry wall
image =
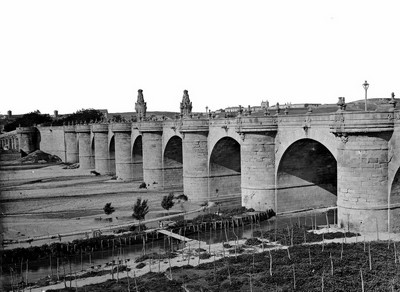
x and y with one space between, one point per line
52 141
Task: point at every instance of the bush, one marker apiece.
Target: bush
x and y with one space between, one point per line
108 209
253 241
143 186
204 256
168 201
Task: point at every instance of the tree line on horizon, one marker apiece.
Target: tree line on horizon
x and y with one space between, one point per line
37 118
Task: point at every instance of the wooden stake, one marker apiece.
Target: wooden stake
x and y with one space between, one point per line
251 284
341 252
364 243
170 271
229 274
369 256
309 254
76 283
327 221
322 282
294 278
330 256
362 281
127 277
26 275
134 278
58 274
270 263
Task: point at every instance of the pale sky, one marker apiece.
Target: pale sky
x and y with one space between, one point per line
69 55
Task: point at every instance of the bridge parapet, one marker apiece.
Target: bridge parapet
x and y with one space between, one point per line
82 128
26 130
343 123
256 124
100 128
69 129
303 120
150 126
195 125
121 127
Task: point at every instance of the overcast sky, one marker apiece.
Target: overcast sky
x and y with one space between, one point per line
69 55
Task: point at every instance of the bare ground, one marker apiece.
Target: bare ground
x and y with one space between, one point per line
52 200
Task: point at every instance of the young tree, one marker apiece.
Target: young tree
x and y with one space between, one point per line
168 202
140 210
108 209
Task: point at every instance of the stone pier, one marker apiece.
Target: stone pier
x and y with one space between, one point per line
123 160
84 147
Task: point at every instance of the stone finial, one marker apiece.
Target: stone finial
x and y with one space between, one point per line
249 110
309 111
392 102
186 104
277 108
341 104
266 112
240 110
140 106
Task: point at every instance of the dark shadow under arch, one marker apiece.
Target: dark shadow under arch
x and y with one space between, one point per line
394 202
173 163
137 159
306 177
225 169
92 160
111 155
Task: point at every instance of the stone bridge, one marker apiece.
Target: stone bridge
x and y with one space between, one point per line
285 162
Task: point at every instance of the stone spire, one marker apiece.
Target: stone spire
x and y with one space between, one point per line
140 106
186 104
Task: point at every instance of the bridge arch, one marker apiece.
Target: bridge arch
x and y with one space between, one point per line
394 202
306 177
225 169
173 163
137 158
91 153
286 137
111 156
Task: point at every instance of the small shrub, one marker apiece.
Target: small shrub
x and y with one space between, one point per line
204 256
140 266
108 209
168 201
253 241
143 186
227 245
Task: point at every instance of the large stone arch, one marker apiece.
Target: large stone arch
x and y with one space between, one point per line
137 158
287 136
225 169
306 177
394 202
217 133
173 163
111 155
